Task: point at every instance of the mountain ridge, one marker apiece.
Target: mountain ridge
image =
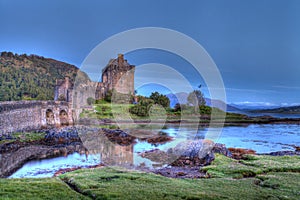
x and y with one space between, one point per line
281 110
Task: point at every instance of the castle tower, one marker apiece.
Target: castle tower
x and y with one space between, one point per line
63 90
118 75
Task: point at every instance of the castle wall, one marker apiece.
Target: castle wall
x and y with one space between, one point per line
31 115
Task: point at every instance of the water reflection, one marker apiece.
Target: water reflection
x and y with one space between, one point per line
261 138
110 153
47 167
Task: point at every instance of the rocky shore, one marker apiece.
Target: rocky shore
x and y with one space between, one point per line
56 142
185 160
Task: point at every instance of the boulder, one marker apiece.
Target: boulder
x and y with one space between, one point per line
193 153
67 135
221 149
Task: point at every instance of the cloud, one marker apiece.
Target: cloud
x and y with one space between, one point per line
248 103
245 90
287 87
266 104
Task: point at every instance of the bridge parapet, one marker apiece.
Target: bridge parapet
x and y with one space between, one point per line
32 115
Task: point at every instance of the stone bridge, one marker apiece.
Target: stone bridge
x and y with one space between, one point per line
31 115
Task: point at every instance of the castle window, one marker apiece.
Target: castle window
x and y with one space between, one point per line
49 117
63 117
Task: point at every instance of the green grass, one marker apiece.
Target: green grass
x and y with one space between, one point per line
25 137
117 183
106 110
224 167
271 178
47 188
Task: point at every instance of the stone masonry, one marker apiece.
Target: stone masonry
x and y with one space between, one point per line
32 115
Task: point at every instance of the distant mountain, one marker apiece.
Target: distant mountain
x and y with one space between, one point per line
178 97
221 105
281 110
182 98
31 76
248 106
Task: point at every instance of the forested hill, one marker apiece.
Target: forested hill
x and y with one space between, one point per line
25 77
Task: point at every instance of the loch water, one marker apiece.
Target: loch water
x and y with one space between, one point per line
263 138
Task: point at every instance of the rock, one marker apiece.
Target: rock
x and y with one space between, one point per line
159 139
181 172
238 153
221 149
66 135
118 136
283 153
158 156
192 148
193 153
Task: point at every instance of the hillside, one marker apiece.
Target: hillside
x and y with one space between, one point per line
26 77
281 110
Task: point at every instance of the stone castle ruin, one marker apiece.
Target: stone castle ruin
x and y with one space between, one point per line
117 76
17 116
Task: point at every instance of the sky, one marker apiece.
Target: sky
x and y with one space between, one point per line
255 44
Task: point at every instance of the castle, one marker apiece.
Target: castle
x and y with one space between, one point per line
70 98
118 75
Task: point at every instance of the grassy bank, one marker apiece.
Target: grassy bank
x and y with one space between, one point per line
24 137
107 110
45 188
259 177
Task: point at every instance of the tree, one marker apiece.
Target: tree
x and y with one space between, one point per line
90 100
108 95
177 107
196 99
61 97
160 99
41 96
142 108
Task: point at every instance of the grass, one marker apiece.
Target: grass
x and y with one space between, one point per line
224 167
271 178
106 110
24 137
47 188
116 183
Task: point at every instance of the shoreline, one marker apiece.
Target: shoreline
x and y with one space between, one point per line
55 147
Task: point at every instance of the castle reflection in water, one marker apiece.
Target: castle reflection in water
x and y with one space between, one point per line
111 153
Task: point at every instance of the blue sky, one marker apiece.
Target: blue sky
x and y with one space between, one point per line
254 43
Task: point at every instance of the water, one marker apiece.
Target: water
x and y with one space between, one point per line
261 138
47 167
276 115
